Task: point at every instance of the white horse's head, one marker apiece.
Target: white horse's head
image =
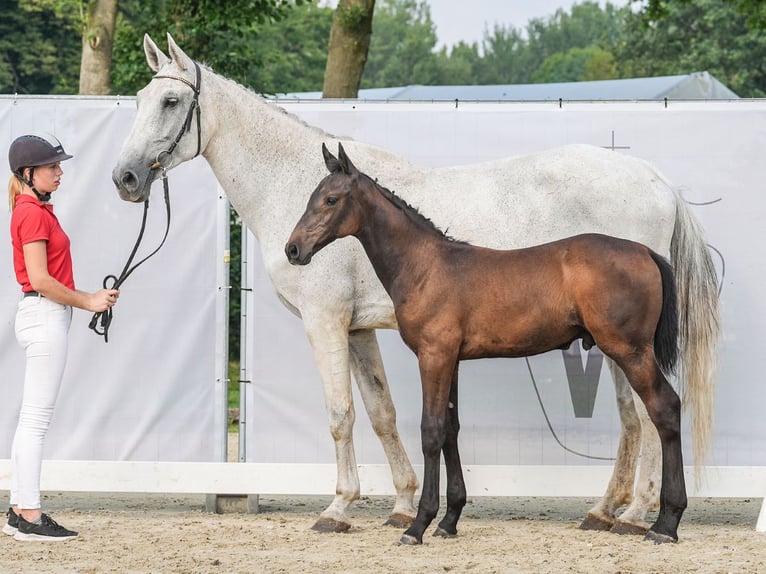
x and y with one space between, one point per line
169 128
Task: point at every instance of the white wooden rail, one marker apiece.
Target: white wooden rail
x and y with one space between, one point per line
319 479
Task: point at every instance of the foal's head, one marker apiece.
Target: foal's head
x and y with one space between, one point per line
332 211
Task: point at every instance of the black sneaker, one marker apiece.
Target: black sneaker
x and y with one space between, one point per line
48 530
12 526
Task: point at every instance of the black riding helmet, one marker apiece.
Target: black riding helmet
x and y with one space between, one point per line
33 150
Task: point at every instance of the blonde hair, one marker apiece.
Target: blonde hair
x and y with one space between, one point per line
15 188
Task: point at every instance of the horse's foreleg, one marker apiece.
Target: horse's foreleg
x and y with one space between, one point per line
435 378
331 352
455 483
647 492
620 488
367 367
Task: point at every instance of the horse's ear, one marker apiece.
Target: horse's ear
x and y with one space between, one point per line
178 55
345 163
330 160
154 56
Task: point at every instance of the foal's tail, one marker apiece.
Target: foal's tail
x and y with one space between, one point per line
699 324
666 334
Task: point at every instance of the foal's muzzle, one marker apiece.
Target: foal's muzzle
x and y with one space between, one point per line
294 255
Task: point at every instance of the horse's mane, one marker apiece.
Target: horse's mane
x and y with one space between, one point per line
273 103
411 212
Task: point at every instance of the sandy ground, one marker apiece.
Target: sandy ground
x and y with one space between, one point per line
164 534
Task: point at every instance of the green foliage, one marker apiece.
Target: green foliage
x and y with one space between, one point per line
40 49
754 11
708 35
292 52
221 34
401 48
577 64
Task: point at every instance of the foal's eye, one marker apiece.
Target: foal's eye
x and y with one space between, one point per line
332 200
170 102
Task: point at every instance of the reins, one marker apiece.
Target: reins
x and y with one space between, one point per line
102 320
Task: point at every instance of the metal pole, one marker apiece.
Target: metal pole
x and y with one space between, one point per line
243 378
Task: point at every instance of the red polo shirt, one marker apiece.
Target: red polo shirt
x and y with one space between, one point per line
33 220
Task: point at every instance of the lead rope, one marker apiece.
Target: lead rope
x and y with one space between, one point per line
105 317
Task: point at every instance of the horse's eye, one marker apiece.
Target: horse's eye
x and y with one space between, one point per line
170 102
332 200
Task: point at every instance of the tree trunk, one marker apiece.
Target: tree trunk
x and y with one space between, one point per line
349 43
97 41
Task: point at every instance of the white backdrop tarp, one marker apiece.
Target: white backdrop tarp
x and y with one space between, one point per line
151 393
712 150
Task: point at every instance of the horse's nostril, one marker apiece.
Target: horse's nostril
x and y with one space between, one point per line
129 180
292 252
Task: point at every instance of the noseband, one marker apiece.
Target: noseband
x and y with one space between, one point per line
105 317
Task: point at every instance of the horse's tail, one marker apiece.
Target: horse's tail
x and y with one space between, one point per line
699 324
666 334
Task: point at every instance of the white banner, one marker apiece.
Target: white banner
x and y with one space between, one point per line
711 150
155 391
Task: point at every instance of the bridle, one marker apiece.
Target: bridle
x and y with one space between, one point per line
105 317
186 127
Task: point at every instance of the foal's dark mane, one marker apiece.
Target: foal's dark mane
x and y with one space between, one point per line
412 213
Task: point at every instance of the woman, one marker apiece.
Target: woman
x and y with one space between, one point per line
43 265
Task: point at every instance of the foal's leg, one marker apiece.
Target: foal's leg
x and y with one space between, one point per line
647 494
329 341
455 483
367 367
664 409
435 378
620 488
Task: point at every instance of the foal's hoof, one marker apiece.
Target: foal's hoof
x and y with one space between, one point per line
443 533
593 522
627 528
399 520
330 525
658 538
409 540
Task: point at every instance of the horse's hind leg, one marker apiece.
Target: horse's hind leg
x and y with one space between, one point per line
456 495
367 367
620 488
647 490
664 409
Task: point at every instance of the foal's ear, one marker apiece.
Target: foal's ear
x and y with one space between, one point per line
154 56
330 160
345 163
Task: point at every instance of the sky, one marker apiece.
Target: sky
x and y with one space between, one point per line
466 20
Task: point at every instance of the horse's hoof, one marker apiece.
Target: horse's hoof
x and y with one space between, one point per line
409 540
593 522
399 520
325 525
627 528
443 533
658 538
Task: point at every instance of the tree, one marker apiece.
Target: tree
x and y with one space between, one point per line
401 50
292 51
97 41
754 11
577 65
221 34
39 48
708 35
349 45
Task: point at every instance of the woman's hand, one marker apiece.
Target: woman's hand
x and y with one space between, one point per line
103 299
